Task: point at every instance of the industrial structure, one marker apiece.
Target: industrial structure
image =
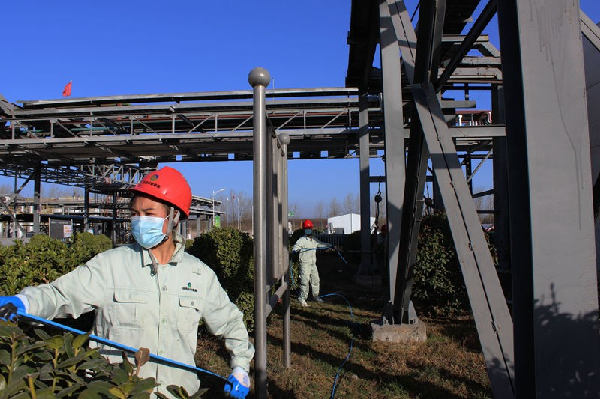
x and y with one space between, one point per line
538 135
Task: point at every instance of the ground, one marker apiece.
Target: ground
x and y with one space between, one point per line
448 365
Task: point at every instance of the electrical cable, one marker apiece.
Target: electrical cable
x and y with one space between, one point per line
117 345
337 375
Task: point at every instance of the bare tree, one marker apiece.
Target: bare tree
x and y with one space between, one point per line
351 202
335 208
6 189
320 211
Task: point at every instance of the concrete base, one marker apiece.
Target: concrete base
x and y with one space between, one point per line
399 333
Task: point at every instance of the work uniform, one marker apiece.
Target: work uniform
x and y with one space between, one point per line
158 311
307 246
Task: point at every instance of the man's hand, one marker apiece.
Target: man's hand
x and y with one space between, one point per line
9 305
238 384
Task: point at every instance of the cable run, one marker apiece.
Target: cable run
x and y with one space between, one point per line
337 375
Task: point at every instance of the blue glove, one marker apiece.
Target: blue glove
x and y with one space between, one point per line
9 305
238 384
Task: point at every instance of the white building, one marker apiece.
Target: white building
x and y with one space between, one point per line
346 224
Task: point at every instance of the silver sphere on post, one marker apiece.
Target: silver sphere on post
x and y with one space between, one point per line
259 76
284 138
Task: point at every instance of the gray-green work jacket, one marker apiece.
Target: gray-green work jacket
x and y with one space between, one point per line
158 311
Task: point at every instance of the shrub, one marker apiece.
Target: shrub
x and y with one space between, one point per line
44 259
230 253
439 287
47 366
84 246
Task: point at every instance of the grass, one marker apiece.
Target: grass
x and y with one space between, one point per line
448 365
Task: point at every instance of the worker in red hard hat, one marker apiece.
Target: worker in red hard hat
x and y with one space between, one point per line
152 293
307 247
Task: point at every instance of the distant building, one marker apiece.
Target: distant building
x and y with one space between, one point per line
345 224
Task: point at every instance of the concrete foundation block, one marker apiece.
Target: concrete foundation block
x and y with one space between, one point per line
399 332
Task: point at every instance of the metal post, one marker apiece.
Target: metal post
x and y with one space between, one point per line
365 191
272 242
555 305
15 222
285 139
259 79
501 210
114 219
86 208
37 199
394 139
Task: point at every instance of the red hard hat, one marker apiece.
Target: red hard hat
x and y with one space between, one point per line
307 224
168 185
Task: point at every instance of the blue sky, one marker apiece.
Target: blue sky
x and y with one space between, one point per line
141 47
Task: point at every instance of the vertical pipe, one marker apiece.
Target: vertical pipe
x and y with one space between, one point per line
15 223
36 199
271 171
114 219
285 139
86 208
259 78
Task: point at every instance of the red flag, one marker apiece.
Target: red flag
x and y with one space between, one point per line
67 90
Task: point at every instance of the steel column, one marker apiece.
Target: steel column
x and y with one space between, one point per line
488 304
418 156
501 210
365 185
394 139
552 232
259 79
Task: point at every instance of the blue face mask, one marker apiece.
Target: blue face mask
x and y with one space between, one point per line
147 230
308 231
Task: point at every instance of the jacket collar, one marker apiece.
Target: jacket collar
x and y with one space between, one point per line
175 258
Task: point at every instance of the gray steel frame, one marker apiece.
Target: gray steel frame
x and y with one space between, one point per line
421 58
555 309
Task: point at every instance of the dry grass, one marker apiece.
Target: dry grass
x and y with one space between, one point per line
448 365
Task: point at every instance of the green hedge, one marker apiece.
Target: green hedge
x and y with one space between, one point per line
439 287
43 366
230 253
44 259
35 364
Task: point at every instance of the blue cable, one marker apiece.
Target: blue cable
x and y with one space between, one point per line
121 346
337 375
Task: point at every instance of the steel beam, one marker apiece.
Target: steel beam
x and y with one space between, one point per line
555 303
394 138
488 304
484 18
365 186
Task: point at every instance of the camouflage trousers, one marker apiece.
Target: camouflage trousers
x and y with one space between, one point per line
309 275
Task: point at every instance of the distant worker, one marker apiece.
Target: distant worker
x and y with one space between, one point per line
307 247
150 294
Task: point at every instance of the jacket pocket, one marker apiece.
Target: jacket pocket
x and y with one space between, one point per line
129 308
188 313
